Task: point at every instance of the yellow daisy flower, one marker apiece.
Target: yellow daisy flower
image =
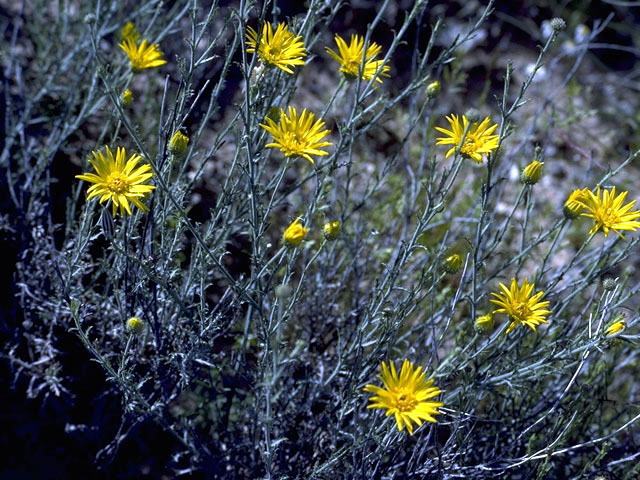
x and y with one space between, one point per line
118 181
297 136
350 58
478 140
281 49
520 305
405 397
609 213
142 56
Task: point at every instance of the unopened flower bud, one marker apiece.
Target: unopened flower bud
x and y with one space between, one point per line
609 283
473 115
573 206
282 291
134 325
616 327
484 323
89 19
452 264
331 230
531 173
127 97
538 152
433 89
558 24
178 144
295 233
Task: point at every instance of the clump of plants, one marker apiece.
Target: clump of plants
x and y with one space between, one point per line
299 257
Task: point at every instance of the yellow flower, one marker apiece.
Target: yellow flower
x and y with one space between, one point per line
573 206
281 49
178 144
350 57
134 325
297 136
616 327
609 213
331 230
531 173
478 140
142 56
405 397
295 233
118 181
520 305
130 32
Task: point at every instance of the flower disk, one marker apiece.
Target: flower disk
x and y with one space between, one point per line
609 213
477 141
521 307
350 57
281 49
118 181
405 397
142 56
297 136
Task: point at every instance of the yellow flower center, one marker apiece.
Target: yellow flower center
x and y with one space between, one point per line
405 402
521 311
352 66
469 146
117 183
610 215
293 141
273 54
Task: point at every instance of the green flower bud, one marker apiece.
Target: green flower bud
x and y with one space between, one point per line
558 24
331 230
433 89
609 283
452 264
127 97
282 291
473 115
